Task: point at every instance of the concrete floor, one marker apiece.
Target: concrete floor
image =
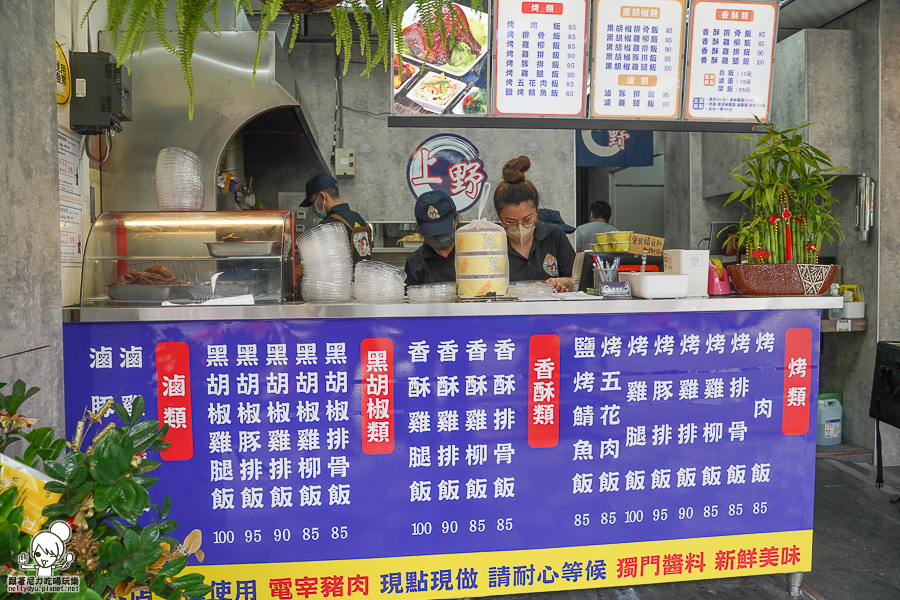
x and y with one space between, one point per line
856 548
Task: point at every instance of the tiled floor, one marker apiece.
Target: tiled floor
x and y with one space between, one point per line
856 546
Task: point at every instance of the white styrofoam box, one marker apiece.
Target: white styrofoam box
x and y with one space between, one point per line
657 285
694 264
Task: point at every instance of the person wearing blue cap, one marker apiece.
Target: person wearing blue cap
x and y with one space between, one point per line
323 196
434 260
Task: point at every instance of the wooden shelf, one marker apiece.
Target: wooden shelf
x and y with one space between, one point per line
830 326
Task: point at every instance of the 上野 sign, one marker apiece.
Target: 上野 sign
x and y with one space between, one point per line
637 59
450 163
540 65
731 60
474 456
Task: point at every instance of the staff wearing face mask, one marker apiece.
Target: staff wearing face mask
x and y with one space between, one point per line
433 261
323 196
536 250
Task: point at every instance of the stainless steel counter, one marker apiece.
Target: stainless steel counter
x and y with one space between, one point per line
460 309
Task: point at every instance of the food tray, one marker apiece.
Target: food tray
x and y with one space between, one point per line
415 71
239 249
413 93
137 292
411 15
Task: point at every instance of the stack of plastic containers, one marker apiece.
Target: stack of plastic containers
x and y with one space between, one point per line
378 282
179 180
327 263
482 260
531 290
432 292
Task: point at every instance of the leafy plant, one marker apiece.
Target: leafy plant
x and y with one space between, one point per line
786 195
130 21
103 489
104 492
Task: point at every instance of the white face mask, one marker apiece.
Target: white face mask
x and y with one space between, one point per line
522 235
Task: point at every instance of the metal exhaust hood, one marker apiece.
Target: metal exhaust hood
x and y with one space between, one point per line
225 101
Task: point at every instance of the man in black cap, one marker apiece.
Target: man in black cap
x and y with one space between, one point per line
434 260
323 196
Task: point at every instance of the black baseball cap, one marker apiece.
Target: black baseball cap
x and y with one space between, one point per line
553 216
320 182
434 213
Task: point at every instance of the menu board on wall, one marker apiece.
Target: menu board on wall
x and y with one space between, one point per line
731 57
540 58
637 58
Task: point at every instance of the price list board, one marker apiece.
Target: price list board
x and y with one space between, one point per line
732 47
473 456
637 59
540 64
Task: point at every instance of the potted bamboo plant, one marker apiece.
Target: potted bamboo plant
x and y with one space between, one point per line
787 218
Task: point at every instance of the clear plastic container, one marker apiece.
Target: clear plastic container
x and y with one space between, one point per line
179 180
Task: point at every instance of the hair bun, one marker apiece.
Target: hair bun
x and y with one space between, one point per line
514 170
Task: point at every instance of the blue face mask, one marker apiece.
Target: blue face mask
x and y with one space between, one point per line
320 213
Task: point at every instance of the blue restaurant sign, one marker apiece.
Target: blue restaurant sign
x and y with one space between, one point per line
613 148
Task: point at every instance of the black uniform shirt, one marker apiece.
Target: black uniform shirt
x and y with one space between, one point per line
551 255
427 266
355 220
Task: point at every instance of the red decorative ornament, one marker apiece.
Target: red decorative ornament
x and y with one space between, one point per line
761 253
787 233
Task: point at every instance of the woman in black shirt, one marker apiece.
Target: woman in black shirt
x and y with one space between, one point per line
537 251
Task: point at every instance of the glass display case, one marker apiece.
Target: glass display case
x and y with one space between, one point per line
162 258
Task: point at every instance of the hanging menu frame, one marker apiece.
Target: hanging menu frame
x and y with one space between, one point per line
588 118
555 65
726 80
642 51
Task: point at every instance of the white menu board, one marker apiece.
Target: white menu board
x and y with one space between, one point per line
71 223
731 57
637 58
540 58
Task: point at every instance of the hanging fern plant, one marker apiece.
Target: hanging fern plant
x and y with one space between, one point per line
130 21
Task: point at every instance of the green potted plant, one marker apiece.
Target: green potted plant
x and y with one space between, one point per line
102 483
130 21
787 217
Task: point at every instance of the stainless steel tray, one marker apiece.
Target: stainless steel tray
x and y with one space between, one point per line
203 292
239 249
137 292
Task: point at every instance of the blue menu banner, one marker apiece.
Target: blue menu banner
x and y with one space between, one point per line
471 456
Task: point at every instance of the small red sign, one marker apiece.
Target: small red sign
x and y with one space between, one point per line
797 381
542 8
173 398
543 391
377 376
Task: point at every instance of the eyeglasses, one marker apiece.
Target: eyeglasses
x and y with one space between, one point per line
512 225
